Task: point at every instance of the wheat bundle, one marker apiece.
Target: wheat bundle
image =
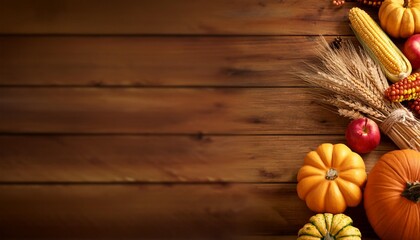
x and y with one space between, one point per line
353 85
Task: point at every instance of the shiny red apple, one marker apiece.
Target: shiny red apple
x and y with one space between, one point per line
411 50
363 135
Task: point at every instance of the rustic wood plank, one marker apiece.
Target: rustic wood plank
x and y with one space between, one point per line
160 211
167 110
160 158
153 61
282 237
270 17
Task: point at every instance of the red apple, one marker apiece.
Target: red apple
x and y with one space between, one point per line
411 50
363 135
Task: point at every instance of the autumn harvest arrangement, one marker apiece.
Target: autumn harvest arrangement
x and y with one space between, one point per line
377 86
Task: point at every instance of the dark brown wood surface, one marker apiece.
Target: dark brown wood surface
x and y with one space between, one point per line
235 17
152 61
161 119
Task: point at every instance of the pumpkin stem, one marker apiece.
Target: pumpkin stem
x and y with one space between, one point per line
331 174
328 237
406 3
412 191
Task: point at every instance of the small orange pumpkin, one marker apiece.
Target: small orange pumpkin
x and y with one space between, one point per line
392 195
400 18
331 178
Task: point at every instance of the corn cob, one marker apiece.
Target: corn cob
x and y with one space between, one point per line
379 46
404 90
373 3
414 106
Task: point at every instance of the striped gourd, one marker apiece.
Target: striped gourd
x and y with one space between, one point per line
328 226
404 90
379 46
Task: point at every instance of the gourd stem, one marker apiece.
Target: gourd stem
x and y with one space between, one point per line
406 3
331 174
412 191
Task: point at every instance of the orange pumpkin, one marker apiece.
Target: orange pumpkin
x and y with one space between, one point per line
330 178
400 18
392 195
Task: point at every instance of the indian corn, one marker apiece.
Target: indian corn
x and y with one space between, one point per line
374 3
404 90
414 106
379 46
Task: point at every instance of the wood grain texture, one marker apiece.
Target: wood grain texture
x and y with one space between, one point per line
154 61
161 119
154 211
167 110
271 17
157 159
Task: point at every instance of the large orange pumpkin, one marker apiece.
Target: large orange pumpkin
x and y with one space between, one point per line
400 18
392 195
330 179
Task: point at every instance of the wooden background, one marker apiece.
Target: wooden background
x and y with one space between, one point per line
161 118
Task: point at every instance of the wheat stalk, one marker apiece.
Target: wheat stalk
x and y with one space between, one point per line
357 106
352 114
353 85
